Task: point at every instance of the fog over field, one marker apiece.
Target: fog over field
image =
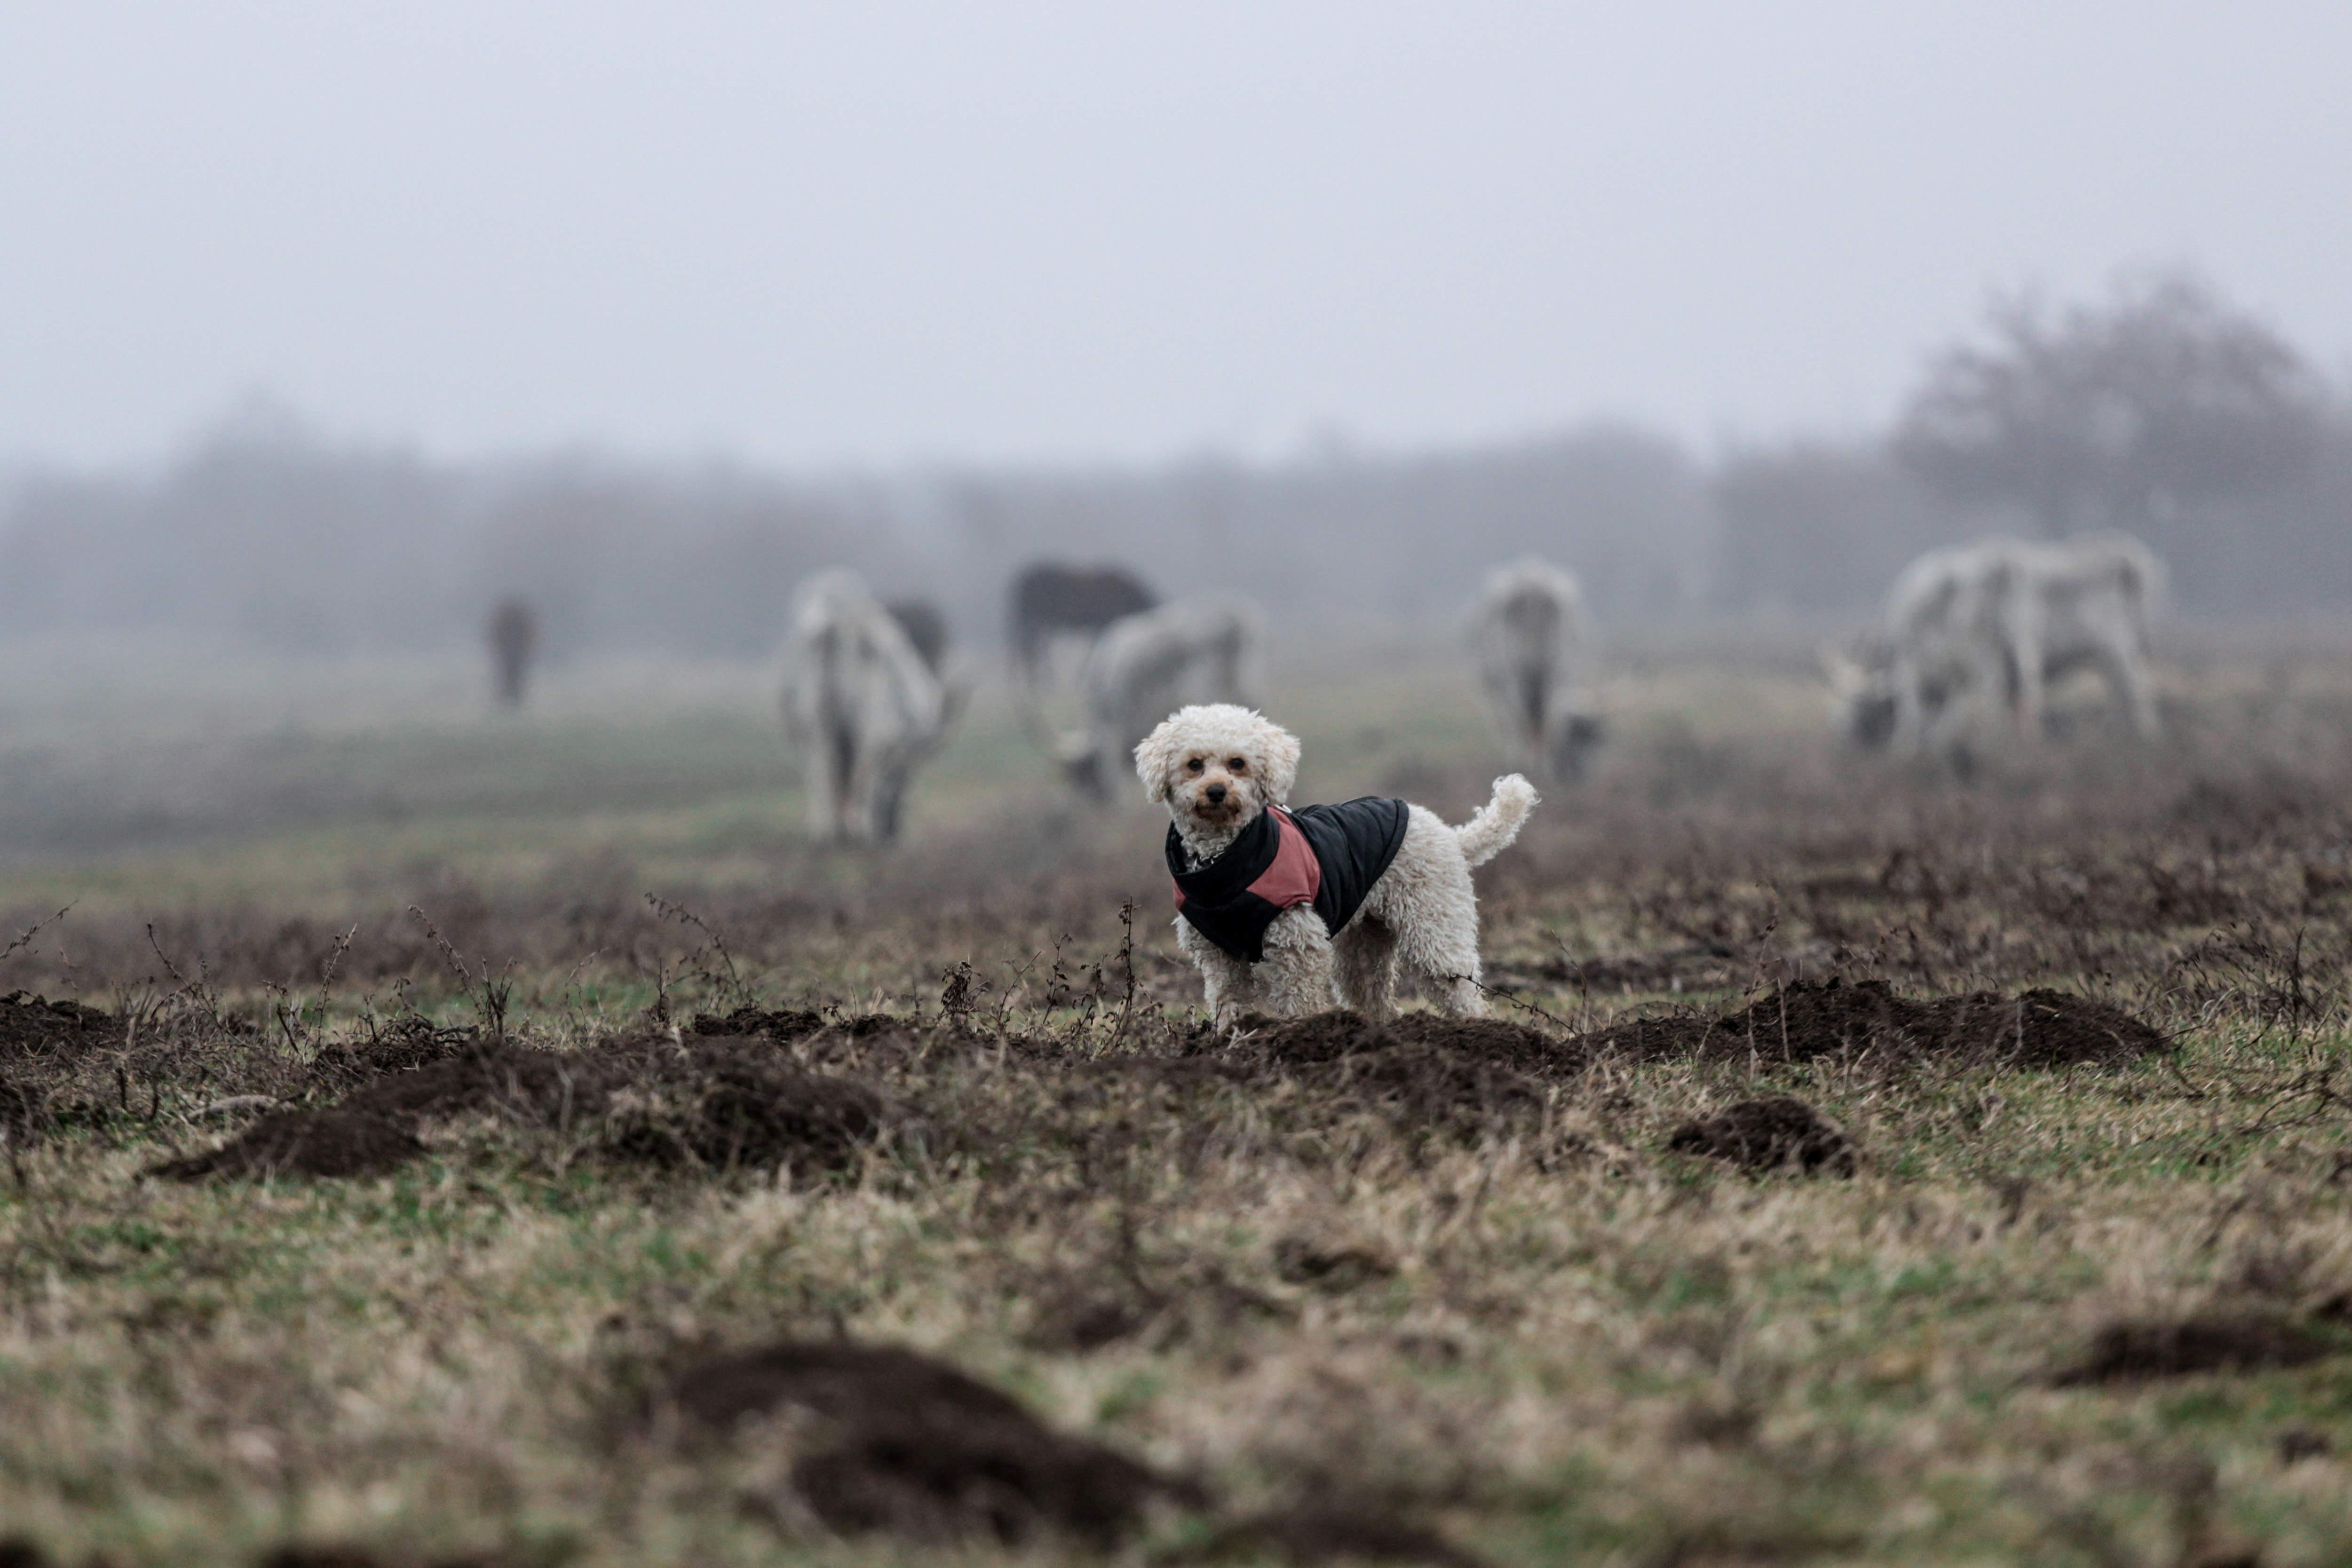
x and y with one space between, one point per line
325 333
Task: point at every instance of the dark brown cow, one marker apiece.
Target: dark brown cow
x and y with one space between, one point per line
513 632
1049 598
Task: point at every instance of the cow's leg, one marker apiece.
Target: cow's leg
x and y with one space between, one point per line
864 788
828 774
2025 696
1910 736
2127 677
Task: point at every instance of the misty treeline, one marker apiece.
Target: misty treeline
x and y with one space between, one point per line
2161 410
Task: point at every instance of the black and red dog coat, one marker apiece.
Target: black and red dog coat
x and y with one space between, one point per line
1327 856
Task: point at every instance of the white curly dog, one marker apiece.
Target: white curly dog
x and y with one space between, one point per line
1285 910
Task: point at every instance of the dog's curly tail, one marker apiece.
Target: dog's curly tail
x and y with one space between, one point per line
1490 832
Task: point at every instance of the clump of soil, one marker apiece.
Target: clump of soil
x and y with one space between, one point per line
498 1077
1768 1135
1315 1536
35 1026
301 1143
1426 1073
781 1026
408 1045
1330 1037
2134 1349
730 1104
1814 1018
915 1447
723 1102
1430 1088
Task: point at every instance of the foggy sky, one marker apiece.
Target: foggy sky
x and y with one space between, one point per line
872 233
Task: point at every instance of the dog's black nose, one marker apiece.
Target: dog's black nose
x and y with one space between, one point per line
1216 793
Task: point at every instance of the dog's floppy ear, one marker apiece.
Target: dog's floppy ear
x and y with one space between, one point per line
1278 759
1155 759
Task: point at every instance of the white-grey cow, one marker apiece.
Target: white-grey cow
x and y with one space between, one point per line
862 705
1146 666
1534 644
1985 626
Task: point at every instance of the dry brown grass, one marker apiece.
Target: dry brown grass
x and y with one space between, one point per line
1459 1290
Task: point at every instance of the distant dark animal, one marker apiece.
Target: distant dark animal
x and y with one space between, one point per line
1534 643
513 632
863 706
925 626
1985 626
1049 598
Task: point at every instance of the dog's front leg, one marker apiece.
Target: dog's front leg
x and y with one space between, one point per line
1230 988
1294 978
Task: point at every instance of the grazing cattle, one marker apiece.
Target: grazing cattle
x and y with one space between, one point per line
862 704
1533 644
1148 665
513 633
1994 622
1048 598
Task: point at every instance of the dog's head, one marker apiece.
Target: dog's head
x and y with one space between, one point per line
1216 766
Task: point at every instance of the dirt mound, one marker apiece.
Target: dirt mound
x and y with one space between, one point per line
35 1026
784 1026
917 1448
1768 1135
498 1077
1331 1036
2135 1349
1425 1073
301 1143
722 1102
1815 1018
792 1025
1316 1536
1425 1088
405 1045
730 1104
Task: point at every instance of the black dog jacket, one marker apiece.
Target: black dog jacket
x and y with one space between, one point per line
1327 856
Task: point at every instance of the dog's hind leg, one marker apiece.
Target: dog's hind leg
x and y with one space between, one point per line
1440 944
1364 963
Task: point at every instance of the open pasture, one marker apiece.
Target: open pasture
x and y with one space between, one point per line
409 1183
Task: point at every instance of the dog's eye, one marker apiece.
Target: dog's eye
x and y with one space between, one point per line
1193 766
1237 765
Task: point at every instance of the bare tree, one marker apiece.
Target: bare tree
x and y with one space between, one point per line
2113 416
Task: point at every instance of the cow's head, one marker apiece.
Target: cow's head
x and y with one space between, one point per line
1861 694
